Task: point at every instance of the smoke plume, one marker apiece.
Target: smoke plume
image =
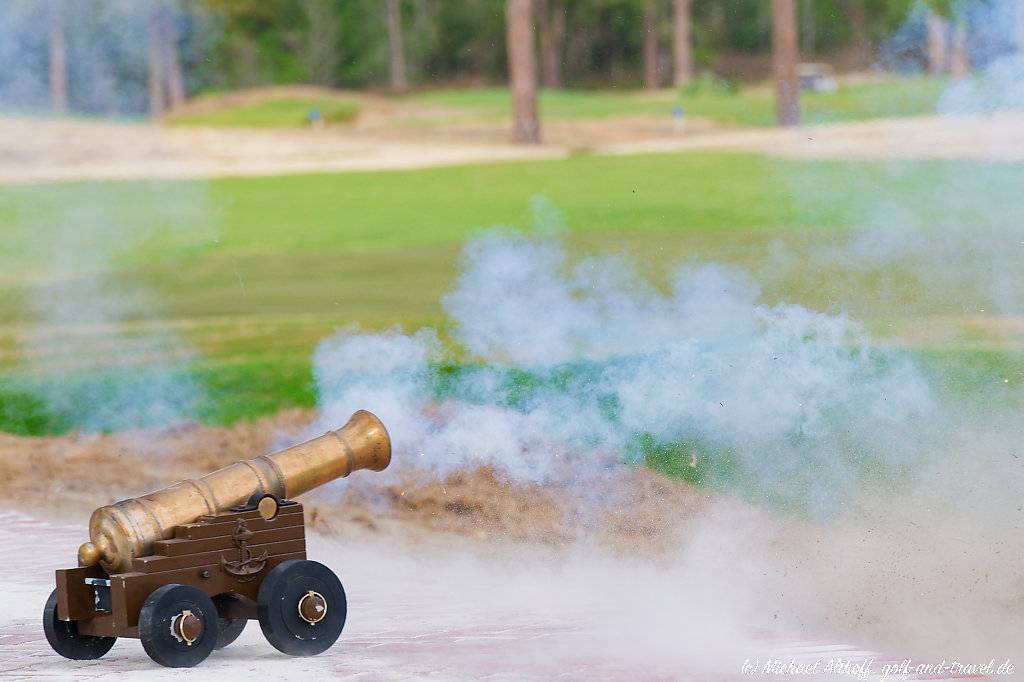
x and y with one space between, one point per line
557 370
94 346
790 403
106 49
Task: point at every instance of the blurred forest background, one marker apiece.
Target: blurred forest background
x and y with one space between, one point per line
106 53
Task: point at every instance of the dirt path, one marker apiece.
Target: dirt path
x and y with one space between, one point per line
37 150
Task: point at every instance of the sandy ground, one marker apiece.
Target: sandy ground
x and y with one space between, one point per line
34 150
624 575
441 614
44 150
997 137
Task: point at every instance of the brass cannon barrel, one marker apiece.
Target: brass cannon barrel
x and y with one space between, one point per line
125 530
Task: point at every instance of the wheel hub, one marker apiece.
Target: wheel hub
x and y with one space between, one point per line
187 627
312 607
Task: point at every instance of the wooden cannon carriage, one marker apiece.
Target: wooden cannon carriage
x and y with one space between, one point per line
190 587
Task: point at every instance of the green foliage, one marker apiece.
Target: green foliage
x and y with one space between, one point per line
942 7
227 44
745 25
465 41
468 39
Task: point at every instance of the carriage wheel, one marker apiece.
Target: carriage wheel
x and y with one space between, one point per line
178 626
64 638
302 607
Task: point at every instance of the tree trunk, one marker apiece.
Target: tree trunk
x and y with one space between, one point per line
172 60
156 68
522 71
323 40
650 45
785 58
959 60
396 49
859 40
937 29
807 27
58 62
682 52
551 20
546 49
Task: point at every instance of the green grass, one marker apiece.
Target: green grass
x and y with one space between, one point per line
741 106
752 106
252 272
273 113
224 392
145 224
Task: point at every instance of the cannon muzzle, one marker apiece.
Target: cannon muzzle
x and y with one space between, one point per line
125 530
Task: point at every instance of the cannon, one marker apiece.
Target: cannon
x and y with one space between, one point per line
185 568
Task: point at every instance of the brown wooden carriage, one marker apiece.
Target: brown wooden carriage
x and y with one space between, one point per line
186 567
199 588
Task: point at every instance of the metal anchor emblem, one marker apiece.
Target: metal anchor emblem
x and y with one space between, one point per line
247 566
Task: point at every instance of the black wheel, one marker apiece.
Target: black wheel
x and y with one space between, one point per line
302 607
229 630
64 638
178 626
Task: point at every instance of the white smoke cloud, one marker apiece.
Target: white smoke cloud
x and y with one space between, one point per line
995 46
119 364
579 359
997 87
106 48
589 358
80 315
992 31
